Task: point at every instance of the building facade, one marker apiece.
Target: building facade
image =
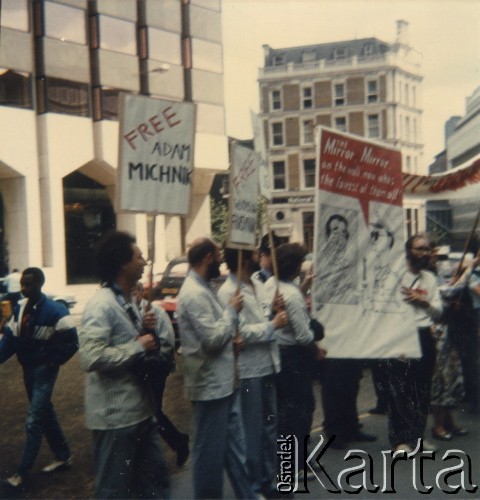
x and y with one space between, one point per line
365 87
453 219
63 64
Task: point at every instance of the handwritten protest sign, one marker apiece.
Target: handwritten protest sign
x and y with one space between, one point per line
156 147
243 197
259 142
359 256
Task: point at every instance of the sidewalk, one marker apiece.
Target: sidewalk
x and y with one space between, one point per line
402 473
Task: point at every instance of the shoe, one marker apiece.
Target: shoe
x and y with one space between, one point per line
363 437
406 448
457 431
377 411
442 436
428 446
15 482
57 466
183 450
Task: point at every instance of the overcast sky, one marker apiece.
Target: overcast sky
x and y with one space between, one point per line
445 32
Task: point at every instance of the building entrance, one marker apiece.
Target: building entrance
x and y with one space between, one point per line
88 215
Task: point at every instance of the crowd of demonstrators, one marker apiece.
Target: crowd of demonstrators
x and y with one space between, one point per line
257 364
114 341
249 353
43 337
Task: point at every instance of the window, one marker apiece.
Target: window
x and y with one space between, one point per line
14 14
414 123
407 95
340 53
339 94
207 55
277 134
309 173
117 35
106 106
308 128
407 129
15 89
414 96
275 100
65 23
368 50
164 46
307 97
372 91
308 56
408 164
67 97
278 60
373 126
341 123
279 175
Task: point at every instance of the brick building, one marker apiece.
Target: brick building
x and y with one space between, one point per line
365 87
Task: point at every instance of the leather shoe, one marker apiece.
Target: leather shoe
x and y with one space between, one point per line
442 436
363 437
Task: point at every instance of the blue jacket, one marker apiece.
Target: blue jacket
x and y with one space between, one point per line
51 338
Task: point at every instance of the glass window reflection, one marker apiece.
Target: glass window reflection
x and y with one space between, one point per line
14 14
207 56
65 23
117 35
164 46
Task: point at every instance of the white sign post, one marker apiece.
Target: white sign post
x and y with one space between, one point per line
259 141
156 147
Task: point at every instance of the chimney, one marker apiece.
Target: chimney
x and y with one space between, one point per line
402 32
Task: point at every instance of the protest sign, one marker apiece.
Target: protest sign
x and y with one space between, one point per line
243 201
259 142
359 255
156 147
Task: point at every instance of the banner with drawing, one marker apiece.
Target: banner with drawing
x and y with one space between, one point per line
155 155
243 200
359 253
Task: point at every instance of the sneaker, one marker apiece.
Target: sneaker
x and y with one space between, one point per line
429 446
15 482
57 465
404 447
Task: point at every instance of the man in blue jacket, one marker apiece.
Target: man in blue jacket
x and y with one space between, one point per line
42 334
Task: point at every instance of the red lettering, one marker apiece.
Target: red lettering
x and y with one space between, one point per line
156 124
130 137
143 129
168 117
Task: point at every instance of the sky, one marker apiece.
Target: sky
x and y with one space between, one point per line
445 32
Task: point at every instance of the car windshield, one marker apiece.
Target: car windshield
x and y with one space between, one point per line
178 270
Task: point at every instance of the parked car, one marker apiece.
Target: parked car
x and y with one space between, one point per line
166 292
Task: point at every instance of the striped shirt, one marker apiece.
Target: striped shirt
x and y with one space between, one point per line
297 331
260 355
114 396
206 332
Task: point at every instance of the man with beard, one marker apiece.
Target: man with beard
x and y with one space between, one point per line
207 329
409 379
257 363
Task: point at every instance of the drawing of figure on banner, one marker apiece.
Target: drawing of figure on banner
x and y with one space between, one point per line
380 282
336 275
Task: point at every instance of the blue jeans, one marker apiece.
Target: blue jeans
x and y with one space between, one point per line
129 462
41 418
259 413
219 443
